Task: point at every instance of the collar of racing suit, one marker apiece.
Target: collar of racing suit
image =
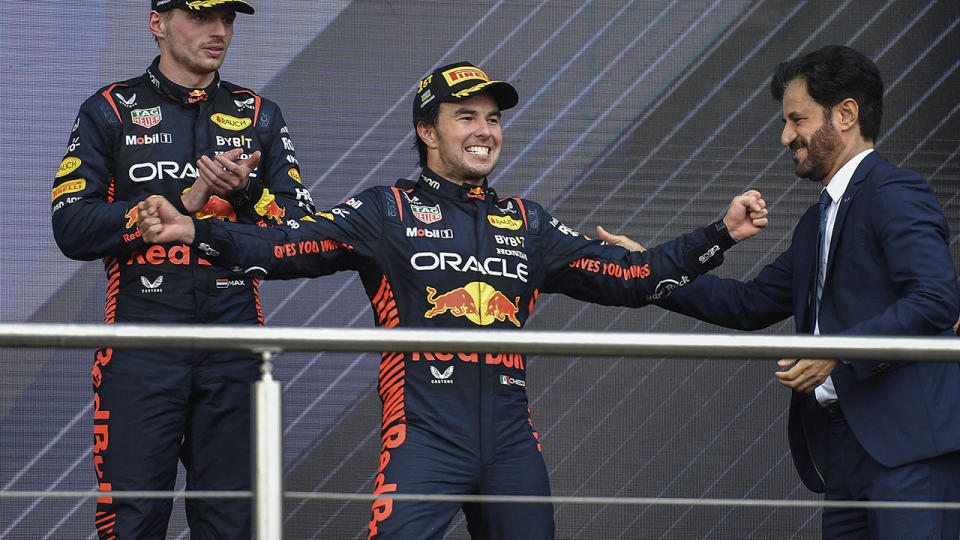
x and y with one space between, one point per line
177 93
434 183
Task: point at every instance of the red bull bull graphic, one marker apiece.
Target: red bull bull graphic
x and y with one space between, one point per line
217 208
477 301
132 215
197 96
268 208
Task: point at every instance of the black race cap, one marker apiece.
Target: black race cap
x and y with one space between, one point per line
201 5
457 82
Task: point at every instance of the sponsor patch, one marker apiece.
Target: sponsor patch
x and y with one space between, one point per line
504 222
508 381
72 186
417 232
68 165
151 286
480 303
230 122
426 214
146 118
442 377
268 208
464 73
197 96
134 140
127 102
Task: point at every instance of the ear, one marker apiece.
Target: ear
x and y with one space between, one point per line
156 24
846 114
427 134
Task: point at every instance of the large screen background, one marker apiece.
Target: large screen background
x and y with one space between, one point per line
644 117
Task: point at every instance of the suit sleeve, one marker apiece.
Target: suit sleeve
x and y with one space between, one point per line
313 246
751 305
88 223
596 272
913 239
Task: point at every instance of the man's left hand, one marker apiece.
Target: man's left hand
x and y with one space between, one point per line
226 174
804 374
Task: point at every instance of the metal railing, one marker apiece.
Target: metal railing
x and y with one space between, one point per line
268 491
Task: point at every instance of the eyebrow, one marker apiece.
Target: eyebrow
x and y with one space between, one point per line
469 110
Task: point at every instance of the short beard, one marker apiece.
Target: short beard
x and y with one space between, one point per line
822 150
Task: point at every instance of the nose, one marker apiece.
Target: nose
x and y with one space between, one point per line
219 27
481 129
787 135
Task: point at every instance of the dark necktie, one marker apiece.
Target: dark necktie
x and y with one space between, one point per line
822 206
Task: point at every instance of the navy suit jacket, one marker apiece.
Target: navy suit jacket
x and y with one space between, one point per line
889 273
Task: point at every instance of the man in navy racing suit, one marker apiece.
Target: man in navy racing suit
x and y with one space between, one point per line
152 136
446 251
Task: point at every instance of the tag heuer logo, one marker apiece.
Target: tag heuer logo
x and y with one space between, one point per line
426 214
146 117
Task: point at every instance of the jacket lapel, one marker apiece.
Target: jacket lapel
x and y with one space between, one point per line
844 209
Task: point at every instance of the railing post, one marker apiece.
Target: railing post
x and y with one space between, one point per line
268 454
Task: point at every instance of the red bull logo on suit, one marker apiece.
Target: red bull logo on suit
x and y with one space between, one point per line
477 301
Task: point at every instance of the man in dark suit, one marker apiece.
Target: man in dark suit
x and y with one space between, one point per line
871 259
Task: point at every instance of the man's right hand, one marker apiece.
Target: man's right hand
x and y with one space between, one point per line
619 240
160 222
746 216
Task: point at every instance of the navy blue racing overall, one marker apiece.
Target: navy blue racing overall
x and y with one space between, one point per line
132 140
435 254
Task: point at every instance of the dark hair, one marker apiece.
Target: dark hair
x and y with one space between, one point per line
833 74
429 117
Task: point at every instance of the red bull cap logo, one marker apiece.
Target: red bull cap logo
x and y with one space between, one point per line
477 301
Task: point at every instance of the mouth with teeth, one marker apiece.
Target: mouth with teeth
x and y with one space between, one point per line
478 150
797 146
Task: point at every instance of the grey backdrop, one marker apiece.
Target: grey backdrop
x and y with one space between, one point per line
642 116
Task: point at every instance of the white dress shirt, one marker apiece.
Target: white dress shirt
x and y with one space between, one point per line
826 393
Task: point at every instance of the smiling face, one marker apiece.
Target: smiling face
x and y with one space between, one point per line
193 45
463 145
808 130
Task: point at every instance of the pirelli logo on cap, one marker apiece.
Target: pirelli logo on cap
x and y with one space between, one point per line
464 73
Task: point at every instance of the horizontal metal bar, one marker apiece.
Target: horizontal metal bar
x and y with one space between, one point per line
520 499
68 494
668 501
259 338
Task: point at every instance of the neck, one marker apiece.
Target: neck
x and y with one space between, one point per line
183 77
851 150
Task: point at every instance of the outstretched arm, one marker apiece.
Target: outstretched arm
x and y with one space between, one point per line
746 217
